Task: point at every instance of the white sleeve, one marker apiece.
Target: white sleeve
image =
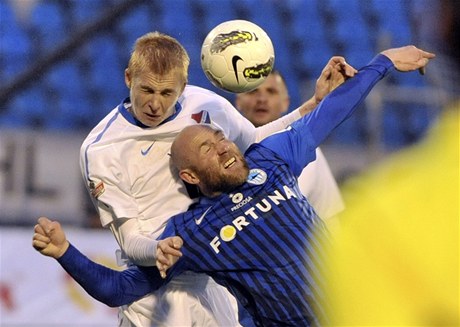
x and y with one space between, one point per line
117 208
137 247
318 185
111 189
276 125
240 130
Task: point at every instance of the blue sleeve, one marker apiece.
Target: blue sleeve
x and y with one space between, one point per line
112 287
170 228
298 143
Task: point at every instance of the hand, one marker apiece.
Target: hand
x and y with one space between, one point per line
168 253
409 58
49 238
334 74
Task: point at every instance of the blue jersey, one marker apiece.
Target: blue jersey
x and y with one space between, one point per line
260 240
263 240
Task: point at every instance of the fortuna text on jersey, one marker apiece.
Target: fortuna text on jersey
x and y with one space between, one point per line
228 232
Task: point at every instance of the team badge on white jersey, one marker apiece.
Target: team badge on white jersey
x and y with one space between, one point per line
202 117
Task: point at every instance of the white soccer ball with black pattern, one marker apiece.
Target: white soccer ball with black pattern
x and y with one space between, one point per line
237 56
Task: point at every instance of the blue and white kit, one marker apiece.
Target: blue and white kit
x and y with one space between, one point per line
260 241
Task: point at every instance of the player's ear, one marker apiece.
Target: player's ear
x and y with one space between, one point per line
128 78
187 175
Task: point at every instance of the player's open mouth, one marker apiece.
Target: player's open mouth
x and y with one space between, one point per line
261 111
229 162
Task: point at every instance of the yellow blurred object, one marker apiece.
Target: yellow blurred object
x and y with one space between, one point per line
395 258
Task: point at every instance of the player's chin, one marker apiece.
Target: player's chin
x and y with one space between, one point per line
151 120
260 119
239 171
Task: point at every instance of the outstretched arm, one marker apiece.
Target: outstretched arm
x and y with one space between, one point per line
335 73
112 287
341 103
49 238
306 134
409 58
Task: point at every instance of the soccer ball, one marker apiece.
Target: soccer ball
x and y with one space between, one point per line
237 56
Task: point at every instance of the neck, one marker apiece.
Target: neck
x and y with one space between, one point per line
211 194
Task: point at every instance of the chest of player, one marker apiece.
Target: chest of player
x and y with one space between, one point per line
148 168
252 204
262 206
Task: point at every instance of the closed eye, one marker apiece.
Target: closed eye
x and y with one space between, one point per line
205 148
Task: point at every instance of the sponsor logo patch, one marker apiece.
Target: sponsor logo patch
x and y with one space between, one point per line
96 189
146 151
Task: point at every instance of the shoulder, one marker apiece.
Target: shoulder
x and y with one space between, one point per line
258 153
195 95
221 112
193 89
105 126
111 132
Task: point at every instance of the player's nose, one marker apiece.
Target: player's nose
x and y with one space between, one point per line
222 148
261 97
154 104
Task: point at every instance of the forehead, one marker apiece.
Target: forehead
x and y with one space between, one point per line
170 79
208 132
272 81
202 135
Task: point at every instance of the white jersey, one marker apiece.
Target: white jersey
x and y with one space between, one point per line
318 185
127 170
132 161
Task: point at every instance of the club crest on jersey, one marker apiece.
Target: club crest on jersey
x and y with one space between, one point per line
256 176
96 189
202 117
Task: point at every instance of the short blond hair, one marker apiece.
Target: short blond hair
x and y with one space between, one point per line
160 54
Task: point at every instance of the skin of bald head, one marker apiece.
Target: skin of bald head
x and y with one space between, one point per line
180 152
267 102
203 156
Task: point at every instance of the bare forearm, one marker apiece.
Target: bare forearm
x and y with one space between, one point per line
277 125
308 106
